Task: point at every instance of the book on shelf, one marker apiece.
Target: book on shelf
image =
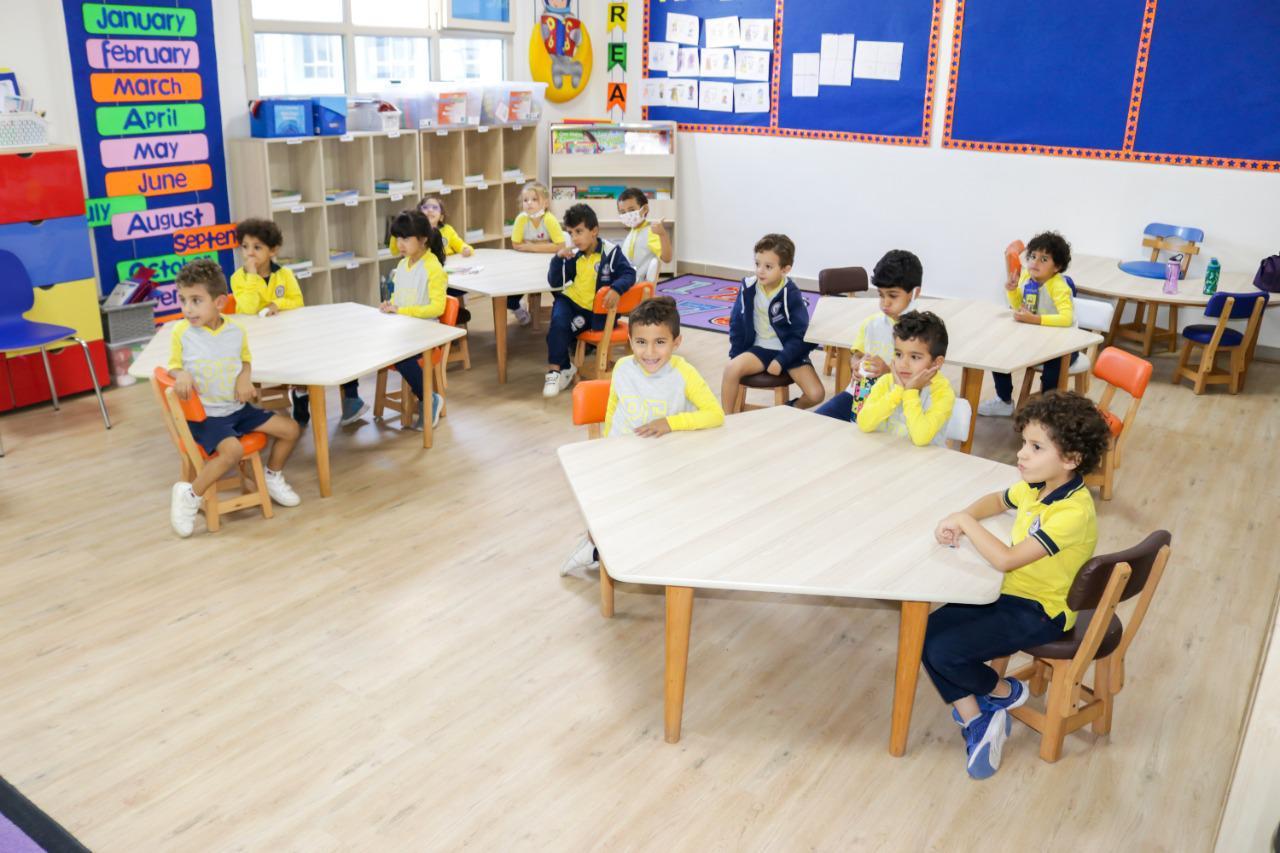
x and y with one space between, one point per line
564 193
648 142
384 252
474 234
285 198
340 195
392 185
341 256
295 264
472 180
513 174
433 186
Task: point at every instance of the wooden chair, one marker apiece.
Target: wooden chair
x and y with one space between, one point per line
1159 237
1092 314
615 328
1098 638
840 281
781 385
958 425
590 402
403 400
1120 370
1218 338
248 476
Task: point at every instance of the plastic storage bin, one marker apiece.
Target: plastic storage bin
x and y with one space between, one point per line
508 102
373 115
276 117
437 104
128 323
329 115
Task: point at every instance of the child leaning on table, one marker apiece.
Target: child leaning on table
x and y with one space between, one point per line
209 354
535 229
1041 297
896 278
652 392
263 286
1054 533
913 399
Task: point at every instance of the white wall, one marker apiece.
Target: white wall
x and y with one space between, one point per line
847 203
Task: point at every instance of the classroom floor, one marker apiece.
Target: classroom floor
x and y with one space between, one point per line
399 667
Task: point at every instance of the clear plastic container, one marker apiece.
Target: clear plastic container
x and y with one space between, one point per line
437 104
512 102
372 114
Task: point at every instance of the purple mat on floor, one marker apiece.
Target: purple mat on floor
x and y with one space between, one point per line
26 829
705 302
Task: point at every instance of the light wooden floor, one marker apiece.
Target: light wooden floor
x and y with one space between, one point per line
400 667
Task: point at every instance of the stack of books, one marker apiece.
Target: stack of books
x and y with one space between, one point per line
341 256
285 198
393 186
384 252
513 175
340 195
295 264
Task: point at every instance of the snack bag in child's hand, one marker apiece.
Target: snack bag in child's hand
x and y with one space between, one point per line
1013 260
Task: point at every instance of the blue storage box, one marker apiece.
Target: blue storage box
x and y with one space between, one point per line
329 115
273 117
53 250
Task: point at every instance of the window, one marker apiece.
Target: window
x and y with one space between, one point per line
472 59
391 13
299 64
381 59
315 11
496 11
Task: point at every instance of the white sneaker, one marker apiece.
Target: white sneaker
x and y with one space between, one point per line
551 383
566 377
522 316
280 491
995 408
184 505
581 560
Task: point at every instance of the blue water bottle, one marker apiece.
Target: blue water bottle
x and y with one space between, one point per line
1211 274
1031 295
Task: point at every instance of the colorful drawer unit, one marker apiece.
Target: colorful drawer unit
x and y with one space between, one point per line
52 250
73 304
40 183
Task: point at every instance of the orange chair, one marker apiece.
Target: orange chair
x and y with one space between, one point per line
229 305
1122 370
404 400
248 473
614 331
590 402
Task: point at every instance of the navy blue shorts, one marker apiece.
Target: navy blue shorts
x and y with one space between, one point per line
211 432
768 356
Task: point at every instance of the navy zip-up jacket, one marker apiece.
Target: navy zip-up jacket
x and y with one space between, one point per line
614 270
788 315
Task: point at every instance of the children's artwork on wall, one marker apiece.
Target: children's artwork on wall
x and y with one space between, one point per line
146 85
560 51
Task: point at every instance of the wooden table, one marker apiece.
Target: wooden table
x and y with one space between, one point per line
748 507
501 273
1098 276
981 335
322 345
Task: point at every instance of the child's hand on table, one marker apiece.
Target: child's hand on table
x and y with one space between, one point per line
467 251
653 429
774 368
271 310
950 530
387 308
1022 315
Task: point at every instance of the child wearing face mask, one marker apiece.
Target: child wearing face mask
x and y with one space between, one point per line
647 244
536 229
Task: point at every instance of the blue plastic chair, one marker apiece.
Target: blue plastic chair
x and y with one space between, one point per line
17 332
1218 338
1159 237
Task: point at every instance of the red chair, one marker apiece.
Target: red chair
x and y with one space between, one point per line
614 331
590 402
1120 370
248 475
404 400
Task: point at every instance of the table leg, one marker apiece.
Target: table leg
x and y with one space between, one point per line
914 620
1149 334
428 396
971 390
320 430
535 308
1063 378
844 368
679 619
1113 333
1173 328
500 334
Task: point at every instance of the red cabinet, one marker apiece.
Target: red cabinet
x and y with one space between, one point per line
40 185
70 374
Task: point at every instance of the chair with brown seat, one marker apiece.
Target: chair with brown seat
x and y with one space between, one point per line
1120 370
1098 638
615 329
764 380
840 281
590 402
248 475
404 400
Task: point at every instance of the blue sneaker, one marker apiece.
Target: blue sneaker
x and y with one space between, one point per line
353 409
1008 718
1018 695
984 741
437 403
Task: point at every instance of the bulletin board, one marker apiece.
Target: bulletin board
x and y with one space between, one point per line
146 84
1178 82
865 109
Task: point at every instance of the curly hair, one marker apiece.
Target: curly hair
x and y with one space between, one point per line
263 229
924 326
780 245
205 273
898 268
1055 244
657 311
1074 424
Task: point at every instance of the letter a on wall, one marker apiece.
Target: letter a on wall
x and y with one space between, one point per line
560 51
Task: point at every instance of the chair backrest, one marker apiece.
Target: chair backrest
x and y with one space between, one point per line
16 294
1237 306
1094 314
229 305
1186 234
590 402
452 308
1123 370
835 281
627 302
192 408
958 425
1177 239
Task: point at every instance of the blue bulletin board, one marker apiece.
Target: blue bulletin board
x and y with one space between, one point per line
146 84
1174 82
893 111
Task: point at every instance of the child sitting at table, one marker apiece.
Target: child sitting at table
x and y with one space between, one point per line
896 277
419 292
1040 296
262 286
913 399
1055 530
210 355
768 324
576 274
652 392
536 229
647 244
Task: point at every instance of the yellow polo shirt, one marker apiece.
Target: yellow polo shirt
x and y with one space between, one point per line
1064 522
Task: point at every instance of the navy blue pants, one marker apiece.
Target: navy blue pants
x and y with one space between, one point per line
1048 378
839 407
961 638
513 302
411 372
350 390
568 320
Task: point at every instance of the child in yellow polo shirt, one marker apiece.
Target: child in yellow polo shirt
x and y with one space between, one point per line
1064 438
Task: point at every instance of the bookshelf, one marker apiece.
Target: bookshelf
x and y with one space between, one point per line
641 154
498 159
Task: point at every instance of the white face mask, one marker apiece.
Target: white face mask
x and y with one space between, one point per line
536 213
632 218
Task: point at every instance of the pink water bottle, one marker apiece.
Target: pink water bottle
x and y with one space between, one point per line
1172 269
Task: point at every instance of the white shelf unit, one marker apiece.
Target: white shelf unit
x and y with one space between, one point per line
313 227
608 163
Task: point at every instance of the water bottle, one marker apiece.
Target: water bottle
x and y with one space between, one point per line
1211 274
1031 295
1172 271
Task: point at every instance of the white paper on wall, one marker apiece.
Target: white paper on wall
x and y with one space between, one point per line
662 56
723 32
756 33
878 60
686 62
753 64
836 67
682 29
682 93
804 75
716 97
717 62
751 97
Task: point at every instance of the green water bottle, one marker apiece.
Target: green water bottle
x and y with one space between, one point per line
1211 274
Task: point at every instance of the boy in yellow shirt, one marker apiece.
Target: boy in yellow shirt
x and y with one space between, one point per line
913 398
1063 439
